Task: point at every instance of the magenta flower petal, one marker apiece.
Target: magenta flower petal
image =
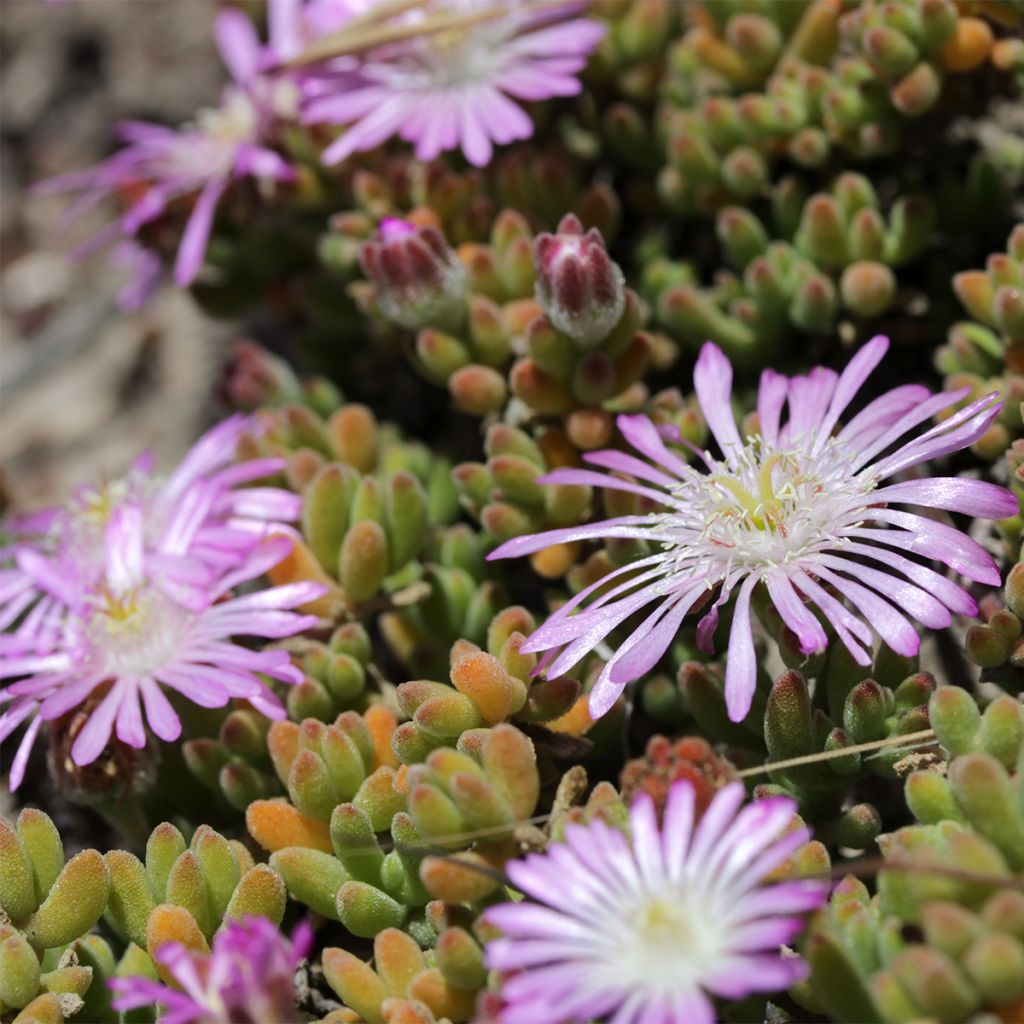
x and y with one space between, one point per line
771 397
712 380
851 380
193 244
238 44
971 497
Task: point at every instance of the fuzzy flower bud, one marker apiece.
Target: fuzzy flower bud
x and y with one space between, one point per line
579 287
418 278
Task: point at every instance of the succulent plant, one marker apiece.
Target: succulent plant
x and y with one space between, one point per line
405 984
49 907
184 893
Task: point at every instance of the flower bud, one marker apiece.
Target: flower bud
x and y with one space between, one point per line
419 280
578 286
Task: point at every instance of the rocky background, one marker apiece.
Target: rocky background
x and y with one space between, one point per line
82 386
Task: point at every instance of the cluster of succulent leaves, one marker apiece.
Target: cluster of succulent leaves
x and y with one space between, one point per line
766 174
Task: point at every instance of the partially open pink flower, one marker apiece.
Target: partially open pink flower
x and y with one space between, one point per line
646 929
800 509
160 165
247 977
114 590
455 88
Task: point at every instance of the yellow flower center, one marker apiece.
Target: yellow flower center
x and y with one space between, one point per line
765 509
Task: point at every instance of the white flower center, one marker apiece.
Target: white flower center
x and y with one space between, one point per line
455 56
768 507
234 121
132 633
670 938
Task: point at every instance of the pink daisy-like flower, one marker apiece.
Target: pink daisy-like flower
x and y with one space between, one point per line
456 88
200 159
247 977
124 580
646 929
800 508
200 521
130 635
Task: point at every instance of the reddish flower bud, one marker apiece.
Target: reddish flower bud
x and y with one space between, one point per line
419 280
666 761
578 286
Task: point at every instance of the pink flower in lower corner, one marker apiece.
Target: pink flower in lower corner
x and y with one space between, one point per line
247 977
651 927
459 88
802 509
